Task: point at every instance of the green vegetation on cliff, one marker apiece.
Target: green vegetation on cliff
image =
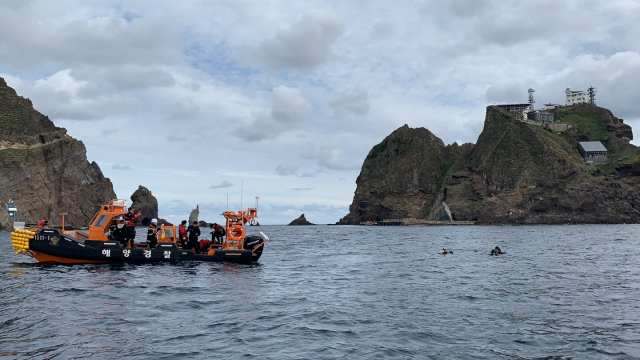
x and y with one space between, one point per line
517 173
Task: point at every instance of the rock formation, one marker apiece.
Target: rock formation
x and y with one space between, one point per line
6 222
517 173
142 200
45 170
194 214
300 221
401 176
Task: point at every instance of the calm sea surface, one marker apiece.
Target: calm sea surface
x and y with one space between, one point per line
324 292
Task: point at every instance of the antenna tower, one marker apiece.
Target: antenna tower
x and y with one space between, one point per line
531 101
591 91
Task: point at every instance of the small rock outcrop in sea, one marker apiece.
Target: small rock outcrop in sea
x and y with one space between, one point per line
300 221
45 170
516 173
203 224
194 214
145 202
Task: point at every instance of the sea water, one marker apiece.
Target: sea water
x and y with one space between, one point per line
325 292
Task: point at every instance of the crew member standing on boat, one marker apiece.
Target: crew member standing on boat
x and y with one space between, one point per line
152 234
130 226
217 233
182 232
117 230
194 232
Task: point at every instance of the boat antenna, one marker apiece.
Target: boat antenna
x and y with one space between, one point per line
241 191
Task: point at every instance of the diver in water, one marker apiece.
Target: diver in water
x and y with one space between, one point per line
445 251
496 251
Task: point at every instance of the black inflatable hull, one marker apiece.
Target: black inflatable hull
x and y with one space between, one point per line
52 246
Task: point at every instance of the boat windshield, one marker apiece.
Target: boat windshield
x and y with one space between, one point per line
101 220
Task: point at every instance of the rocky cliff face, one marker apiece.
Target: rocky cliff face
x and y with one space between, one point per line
524 174
146 203
402 176
43 169
195 213
6 223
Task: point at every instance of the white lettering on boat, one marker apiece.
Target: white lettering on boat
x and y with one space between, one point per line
106 252
147 253
126 253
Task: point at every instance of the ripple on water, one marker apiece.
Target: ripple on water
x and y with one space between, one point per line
342 292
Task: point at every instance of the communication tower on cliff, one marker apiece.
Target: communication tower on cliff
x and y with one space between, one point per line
591 91
531 101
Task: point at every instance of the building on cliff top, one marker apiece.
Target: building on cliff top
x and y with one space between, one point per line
593 151
575 97
520 110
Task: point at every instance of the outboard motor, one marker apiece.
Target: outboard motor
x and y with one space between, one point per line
250 242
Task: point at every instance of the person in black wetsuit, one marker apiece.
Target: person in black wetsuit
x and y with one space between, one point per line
194 232
152 234
496 251
117 231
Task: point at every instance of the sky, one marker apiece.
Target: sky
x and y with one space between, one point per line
213 103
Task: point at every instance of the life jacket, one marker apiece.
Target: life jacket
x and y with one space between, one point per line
183 232
152 232
131 219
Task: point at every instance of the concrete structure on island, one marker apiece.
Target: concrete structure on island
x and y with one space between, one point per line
593 151
575 97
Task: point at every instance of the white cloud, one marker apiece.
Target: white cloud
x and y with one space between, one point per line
184 109
321 88
304 46
175 138
288 111
223 184
120 167
125 77
355 101
284 169
331 158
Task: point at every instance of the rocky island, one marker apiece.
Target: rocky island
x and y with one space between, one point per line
300 221
45 170
516 173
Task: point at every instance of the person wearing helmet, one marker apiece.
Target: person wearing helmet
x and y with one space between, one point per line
152 233
117 230
497 251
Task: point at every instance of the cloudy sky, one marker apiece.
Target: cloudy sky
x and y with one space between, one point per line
283 99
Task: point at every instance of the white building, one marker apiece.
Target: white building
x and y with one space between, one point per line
575 97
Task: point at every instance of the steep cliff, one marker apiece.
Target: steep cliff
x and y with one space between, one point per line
43 169
519 173
6 222
401 176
